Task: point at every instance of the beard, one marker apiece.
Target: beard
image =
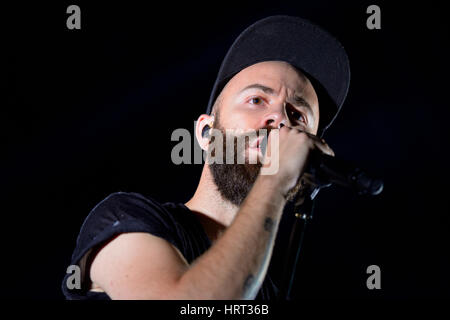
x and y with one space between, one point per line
234 181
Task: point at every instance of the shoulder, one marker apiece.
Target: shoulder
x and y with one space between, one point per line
120 207
120 201
124 212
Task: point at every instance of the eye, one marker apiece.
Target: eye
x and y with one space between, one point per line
297 116
256 100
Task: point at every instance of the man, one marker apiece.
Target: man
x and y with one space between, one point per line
282 73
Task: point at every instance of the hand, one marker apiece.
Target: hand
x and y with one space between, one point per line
294 148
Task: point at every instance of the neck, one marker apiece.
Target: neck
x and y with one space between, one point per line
215 213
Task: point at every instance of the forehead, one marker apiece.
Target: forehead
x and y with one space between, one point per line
272 73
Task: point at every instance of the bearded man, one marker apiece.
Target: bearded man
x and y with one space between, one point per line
282 74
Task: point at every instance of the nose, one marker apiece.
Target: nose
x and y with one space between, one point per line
275 118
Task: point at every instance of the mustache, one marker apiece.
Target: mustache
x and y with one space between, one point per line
260 134
235 145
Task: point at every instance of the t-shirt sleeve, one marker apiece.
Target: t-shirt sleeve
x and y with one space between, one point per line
118 213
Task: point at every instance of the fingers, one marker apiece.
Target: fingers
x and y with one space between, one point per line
324 147
317 142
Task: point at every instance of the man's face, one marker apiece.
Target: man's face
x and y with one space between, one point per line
267 93
260 96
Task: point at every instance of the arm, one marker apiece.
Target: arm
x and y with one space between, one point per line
141 266
235 267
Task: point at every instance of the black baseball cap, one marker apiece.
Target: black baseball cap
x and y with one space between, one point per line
300 43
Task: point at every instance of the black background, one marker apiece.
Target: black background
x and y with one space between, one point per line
89 112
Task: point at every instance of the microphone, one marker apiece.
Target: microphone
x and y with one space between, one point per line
323 170
327 169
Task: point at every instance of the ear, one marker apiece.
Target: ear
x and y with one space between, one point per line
202 122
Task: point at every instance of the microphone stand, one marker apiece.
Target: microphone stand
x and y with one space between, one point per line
303 212
318 176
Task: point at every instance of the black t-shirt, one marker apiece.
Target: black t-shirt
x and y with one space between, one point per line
131 212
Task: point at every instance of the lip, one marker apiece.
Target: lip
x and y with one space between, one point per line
256 143
253 154
257 150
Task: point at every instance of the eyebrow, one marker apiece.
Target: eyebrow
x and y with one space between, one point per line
259 87
297 100
301 102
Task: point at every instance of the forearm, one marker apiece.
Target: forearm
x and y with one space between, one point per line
235 266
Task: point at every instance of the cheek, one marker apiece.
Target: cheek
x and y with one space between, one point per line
312 97
242 118
316 121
